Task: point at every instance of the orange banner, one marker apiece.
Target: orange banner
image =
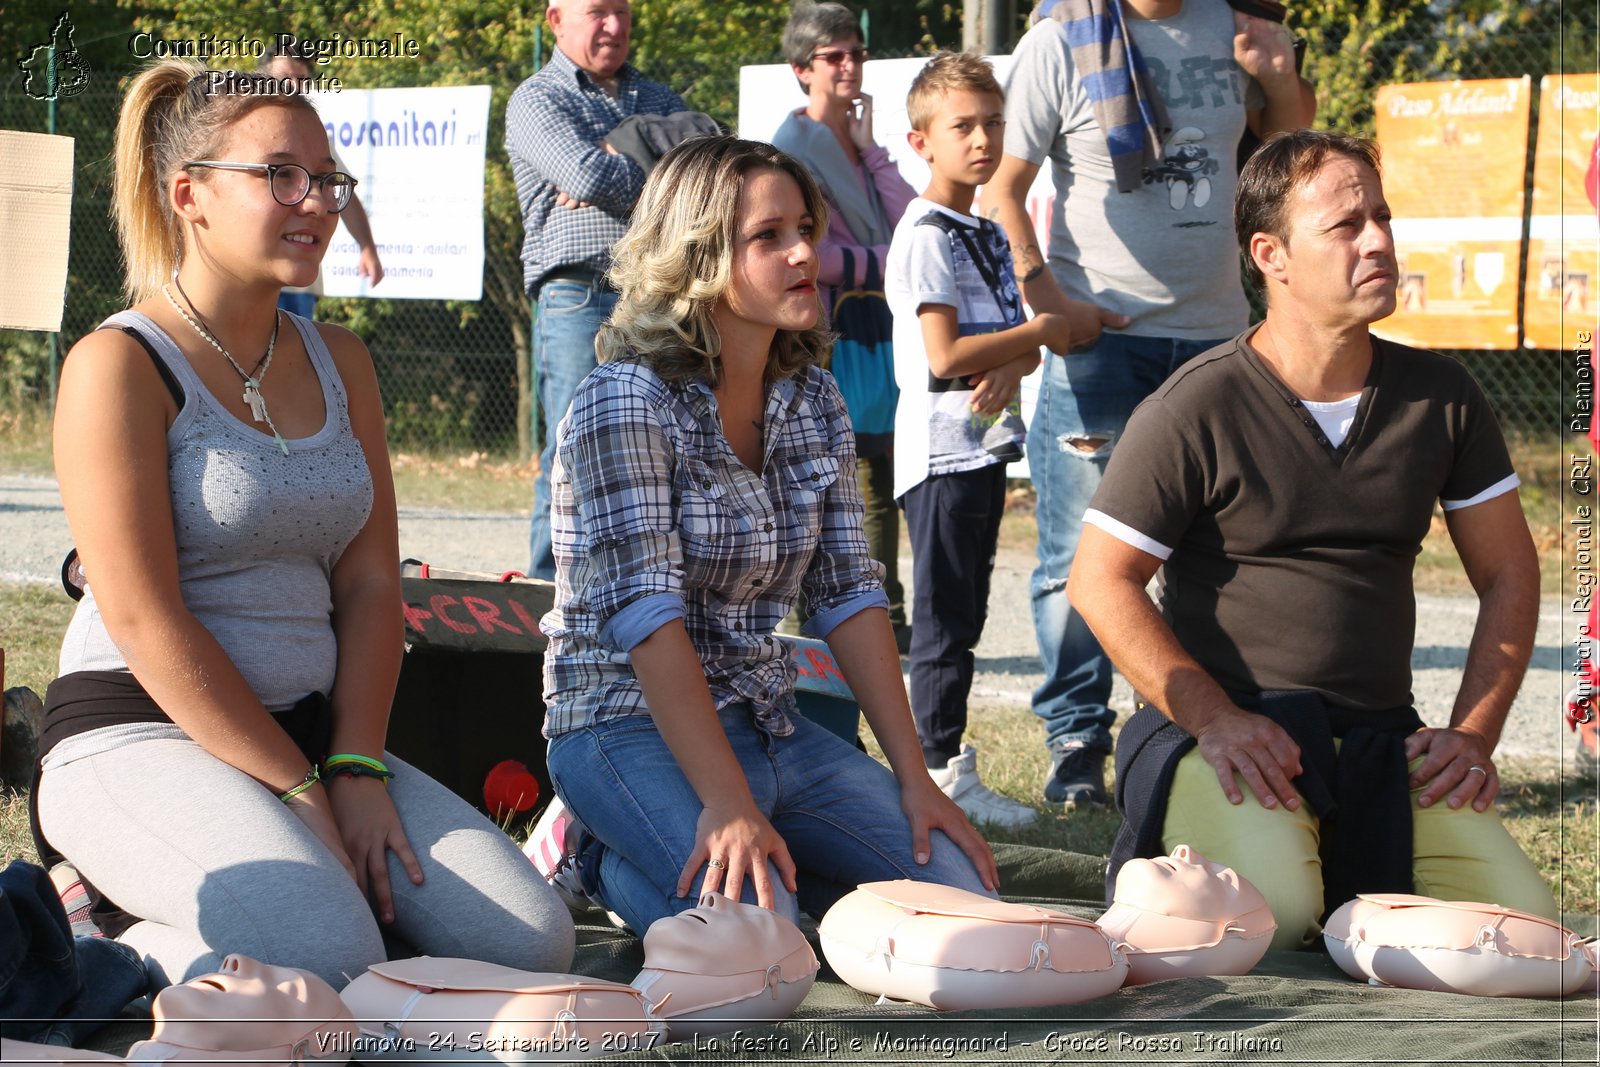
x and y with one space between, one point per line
1563 292
1454 159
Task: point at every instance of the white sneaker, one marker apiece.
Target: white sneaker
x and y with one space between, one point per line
553 849
959 781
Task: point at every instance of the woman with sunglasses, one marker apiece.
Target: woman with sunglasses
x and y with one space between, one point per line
213 753
832 136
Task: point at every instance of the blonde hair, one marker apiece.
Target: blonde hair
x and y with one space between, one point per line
175 110
676 261
943 74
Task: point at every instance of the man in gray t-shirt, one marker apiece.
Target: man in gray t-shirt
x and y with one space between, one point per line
1155 264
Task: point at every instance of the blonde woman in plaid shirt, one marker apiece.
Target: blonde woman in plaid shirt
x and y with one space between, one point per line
702 479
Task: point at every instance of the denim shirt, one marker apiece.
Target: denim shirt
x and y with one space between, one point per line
656 519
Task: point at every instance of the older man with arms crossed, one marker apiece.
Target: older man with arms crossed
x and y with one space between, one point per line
1283 482
576 192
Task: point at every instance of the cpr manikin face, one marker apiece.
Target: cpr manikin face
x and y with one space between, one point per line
722 964
248 1010
1453 946
1182 915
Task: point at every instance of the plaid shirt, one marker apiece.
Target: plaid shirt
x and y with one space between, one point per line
656 519
554 124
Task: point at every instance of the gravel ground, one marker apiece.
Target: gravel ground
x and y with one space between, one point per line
34 537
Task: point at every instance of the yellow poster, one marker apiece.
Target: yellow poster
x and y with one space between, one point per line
1563 291
1454 159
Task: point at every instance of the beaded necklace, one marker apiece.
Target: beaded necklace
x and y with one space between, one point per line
252 381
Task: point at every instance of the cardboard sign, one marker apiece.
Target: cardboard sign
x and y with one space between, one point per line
1454 157
1563 289
35 229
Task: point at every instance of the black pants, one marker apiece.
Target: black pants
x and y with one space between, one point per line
954 523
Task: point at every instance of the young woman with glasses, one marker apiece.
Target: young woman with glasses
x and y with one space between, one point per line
213 753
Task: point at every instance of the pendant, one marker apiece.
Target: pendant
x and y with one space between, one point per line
252 397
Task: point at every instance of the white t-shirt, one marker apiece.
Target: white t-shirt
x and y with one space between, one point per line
933 262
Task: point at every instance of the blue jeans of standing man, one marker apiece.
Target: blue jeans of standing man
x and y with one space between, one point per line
1084 403
570 313
836 807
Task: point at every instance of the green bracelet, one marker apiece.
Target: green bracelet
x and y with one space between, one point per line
351 757
313 776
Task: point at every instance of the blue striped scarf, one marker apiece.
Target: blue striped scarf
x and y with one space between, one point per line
1126 104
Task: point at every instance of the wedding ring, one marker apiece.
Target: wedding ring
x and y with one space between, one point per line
717 865
1480 770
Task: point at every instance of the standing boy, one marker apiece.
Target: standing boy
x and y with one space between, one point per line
962 345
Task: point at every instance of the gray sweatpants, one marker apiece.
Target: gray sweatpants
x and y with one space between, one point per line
213 863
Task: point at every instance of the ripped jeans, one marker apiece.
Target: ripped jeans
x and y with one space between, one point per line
1085 400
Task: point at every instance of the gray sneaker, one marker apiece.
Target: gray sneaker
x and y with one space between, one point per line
1077 776
959 781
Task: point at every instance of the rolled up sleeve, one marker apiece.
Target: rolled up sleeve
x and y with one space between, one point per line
617 455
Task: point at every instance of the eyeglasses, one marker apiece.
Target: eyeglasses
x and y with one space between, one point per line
291 183
834 56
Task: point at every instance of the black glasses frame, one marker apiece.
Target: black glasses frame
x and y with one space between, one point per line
344 183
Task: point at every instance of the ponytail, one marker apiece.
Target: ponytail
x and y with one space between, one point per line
168 118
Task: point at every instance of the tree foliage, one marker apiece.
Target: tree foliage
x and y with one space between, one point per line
697 47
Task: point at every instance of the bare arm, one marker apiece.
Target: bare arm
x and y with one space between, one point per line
864 647
731 828
354 217
1107 585
1498 555
952 356
1265 50
365 590
1005 200
111 461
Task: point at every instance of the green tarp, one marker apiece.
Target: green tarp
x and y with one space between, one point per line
1294 1008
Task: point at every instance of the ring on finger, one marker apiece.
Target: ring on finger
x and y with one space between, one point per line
1479 768
717 865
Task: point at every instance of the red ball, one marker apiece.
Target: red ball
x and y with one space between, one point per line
509 789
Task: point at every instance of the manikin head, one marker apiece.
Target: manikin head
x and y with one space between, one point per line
710 967
1183 915
1187 885
248 1010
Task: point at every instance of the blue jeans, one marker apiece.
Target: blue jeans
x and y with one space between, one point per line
56 989
837 809
570 313
1086 396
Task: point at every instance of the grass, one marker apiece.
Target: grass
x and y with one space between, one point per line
1553 818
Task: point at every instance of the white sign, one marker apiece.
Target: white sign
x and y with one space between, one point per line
768 93
419 156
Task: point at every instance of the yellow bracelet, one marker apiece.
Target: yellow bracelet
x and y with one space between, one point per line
313 776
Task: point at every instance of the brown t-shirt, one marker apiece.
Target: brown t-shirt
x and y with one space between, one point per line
1291 560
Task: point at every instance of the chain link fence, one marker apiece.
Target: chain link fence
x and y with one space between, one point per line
454 374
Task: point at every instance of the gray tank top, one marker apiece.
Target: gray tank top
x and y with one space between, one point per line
257 532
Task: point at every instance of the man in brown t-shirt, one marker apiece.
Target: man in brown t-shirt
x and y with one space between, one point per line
1284 482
